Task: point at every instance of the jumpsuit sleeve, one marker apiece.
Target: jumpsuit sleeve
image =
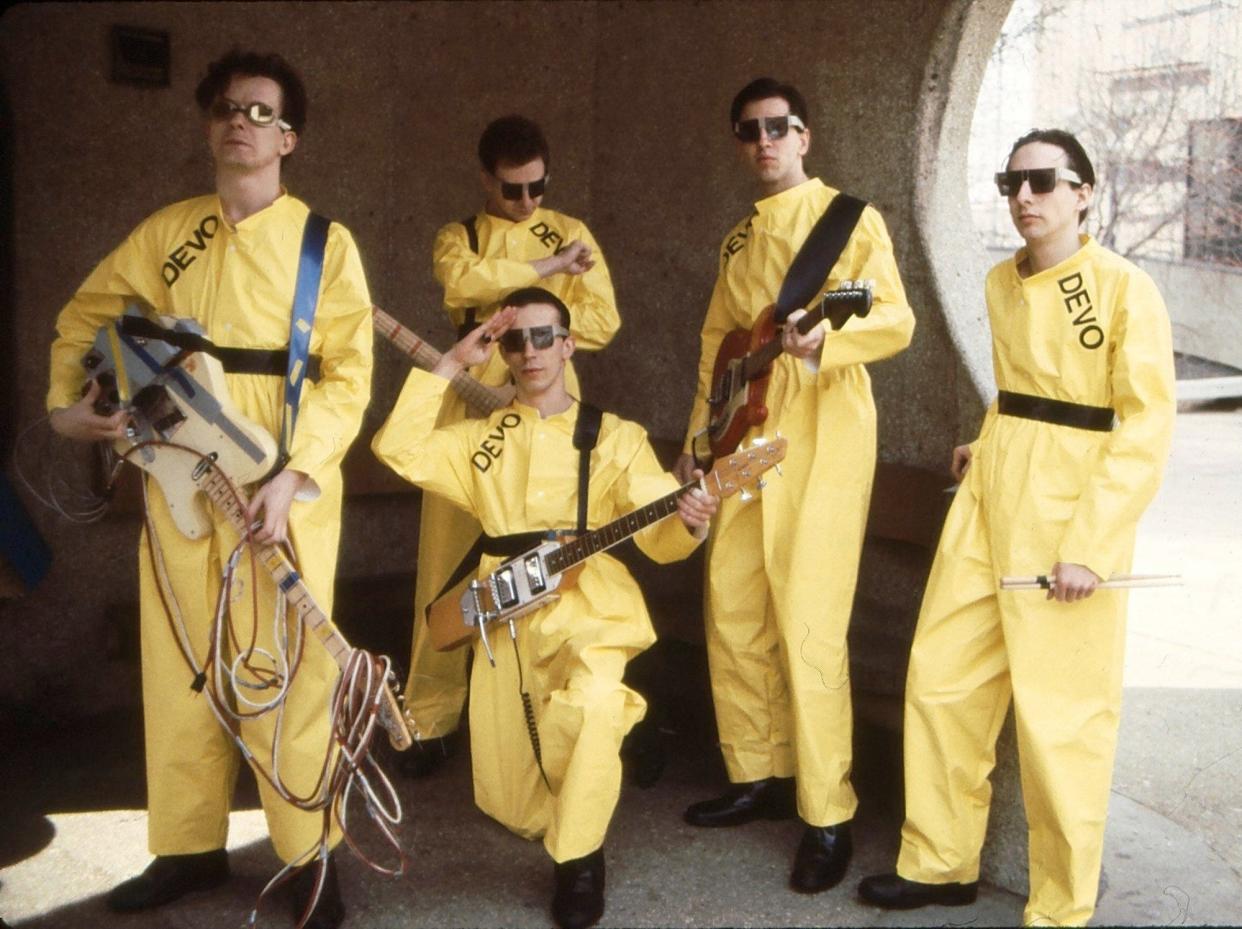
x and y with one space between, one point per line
1128 468
470 279
888 328
437 460
643 482
330 413
130 270
716 325
591 300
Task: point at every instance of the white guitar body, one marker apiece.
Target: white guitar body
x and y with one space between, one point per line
186 403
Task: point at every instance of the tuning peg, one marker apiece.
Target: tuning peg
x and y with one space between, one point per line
745 495
777 469
868 284
760 484
758 441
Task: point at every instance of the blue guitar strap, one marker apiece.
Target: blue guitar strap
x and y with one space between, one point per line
305 300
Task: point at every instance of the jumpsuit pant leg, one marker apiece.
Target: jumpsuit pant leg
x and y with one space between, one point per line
750 691
435 690
192 762
957 693
1067 662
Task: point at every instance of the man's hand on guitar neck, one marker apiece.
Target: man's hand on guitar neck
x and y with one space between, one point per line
80 422
801 346
696 508
273 500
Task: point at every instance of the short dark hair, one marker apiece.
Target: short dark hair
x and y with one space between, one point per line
514 139
256 64
761 88
528 296
1075 154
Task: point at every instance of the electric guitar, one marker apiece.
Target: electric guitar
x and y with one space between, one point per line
525 583
744 365
185 432
480 398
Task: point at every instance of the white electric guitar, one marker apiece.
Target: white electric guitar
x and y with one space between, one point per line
185 432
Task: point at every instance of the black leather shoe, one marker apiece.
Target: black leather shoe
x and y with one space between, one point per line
426 755
168 878
823 855
329 911
770 798
894 892
578 901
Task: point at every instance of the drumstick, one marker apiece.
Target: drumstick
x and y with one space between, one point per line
1044 582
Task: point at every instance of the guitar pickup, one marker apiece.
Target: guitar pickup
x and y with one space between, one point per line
534 574
506 587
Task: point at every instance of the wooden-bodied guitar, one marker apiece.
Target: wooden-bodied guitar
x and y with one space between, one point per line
744 365
527 582
185 432
480 399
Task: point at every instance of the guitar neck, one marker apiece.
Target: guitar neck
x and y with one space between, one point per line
615 532
836 307
218 490
479 397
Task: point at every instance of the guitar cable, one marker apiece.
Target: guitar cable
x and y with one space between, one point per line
354 709
528 710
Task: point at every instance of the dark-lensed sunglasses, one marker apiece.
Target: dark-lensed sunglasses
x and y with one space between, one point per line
1042 180
777 127
514 340
512 191
260 114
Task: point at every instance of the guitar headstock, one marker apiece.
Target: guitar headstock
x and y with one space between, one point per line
851 298
732 474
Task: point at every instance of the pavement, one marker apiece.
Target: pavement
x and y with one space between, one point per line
73 824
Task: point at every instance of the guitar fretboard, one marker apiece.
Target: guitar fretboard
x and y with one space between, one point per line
479 397
218 490
617 531
836 306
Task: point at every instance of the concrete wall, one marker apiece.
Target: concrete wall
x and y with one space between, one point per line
634 100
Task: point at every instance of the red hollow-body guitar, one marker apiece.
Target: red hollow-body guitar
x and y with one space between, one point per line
744 365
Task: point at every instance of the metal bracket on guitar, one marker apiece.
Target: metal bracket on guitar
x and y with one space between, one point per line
479 616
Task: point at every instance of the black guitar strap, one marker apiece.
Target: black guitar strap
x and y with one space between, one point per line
472 312
586 434
818 254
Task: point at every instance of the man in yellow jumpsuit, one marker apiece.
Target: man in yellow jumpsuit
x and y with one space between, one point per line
781 576
517 472
513 242
1079 336
229 261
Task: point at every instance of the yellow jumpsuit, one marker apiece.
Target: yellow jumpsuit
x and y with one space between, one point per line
781 576
238 283
1092 330
436 688
572 652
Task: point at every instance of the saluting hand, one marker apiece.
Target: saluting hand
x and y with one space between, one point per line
476 346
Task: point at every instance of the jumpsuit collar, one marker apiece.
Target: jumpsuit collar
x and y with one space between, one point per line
787 199
282 202
1087 247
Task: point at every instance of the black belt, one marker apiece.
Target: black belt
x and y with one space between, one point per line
510 546
274 361
1057 412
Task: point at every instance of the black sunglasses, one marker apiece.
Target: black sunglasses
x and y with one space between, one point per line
1043 180
260 114
535 189
514 340
777 127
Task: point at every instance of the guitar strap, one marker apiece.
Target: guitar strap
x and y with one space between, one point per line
305 301
586 433
472 312
818 255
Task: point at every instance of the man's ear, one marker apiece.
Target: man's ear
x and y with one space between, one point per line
805 147
288 143
567 347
